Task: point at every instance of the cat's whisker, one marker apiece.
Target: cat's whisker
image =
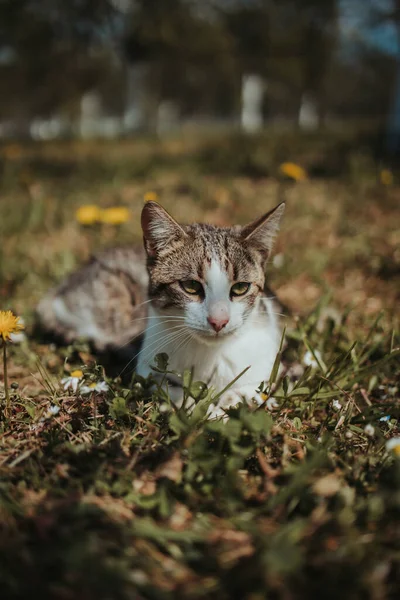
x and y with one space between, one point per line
154 349
277 314
179 342
182 345
188 337
142 304
131 340
159 318
166 339
157 333
169 320
169 330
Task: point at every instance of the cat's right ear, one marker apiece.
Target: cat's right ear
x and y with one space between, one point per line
262 232
159 228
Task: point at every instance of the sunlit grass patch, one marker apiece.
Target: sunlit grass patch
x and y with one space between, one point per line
180 504
107 490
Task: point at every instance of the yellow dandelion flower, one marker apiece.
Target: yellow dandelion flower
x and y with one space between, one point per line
116 215
386 177
293 171
150 197
88 214
9 324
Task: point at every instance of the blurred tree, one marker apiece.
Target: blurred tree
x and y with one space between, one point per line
319 42
287 41
50 53
249 25
388 14
54 51
189 52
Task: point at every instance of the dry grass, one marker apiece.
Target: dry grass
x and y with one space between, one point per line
116 495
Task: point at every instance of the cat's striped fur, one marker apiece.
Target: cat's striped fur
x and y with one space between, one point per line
218 333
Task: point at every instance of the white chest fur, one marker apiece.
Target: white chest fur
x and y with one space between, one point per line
217 362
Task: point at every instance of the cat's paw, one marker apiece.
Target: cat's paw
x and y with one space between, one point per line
233 398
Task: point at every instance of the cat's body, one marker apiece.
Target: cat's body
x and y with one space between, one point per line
207 305
105 301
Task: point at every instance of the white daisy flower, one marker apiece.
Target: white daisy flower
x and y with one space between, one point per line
393 445
310 359
100 386
272 404
369 430
72 381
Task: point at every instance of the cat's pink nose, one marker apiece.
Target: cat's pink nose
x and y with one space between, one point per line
218 323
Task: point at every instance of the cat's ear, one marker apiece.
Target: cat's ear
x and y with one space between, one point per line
262 232
159 228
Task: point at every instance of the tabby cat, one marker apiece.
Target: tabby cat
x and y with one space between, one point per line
202 300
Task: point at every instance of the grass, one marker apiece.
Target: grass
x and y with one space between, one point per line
118 495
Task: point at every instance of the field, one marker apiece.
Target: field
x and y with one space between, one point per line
109 494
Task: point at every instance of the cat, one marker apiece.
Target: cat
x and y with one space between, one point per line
206 305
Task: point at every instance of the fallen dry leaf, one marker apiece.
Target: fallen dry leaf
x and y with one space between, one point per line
172 469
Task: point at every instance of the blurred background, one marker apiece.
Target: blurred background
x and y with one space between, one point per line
112 68
219 109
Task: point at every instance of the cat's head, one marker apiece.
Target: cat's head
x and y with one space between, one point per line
212 276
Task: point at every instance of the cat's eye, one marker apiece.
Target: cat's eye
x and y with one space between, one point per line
191 286
240 288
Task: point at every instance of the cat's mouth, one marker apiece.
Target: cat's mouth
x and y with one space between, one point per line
211 337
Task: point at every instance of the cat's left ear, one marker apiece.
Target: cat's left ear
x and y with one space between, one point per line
262 232
159 228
